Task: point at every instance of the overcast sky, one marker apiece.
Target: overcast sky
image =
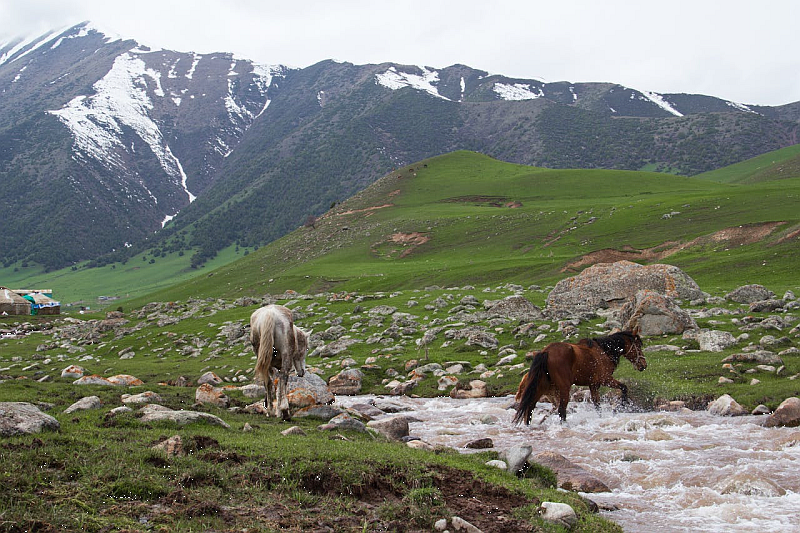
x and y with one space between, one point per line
744 51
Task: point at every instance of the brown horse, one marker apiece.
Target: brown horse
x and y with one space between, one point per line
590 362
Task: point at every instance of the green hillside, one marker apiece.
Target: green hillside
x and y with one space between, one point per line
779 164
466 218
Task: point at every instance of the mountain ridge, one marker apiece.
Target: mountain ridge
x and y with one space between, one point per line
113 139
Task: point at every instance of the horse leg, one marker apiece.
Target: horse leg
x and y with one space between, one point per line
621 386
269 384
283 385
595 392
563 400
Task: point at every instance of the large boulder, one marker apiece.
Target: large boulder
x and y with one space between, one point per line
207 394
307 391
655 314
516 307
609 285
393 428
181 418
347 382
22 418
748 294
84 404
570 476
786 415
715 341
725 405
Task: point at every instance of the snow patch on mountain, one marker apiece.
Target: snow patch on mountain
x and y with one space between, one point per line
262 77
190 72
661 102
121 99
517 91
394 80
742 107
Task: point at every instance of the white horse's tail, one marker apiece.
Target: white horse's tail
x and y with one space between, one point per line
264 329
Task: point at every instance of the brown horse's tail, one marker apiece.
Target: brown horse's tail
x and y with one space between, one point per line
264 329
537 371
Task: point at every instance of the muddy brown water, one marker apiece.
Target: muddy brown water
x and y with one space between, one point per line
682 471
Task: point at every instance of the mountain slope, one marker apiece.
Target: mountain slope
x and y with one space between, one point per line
464 218
103 141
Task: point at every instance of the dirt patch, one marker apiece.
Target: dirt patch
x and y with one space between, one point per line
486 506
415 239
736 236
223 457
408 242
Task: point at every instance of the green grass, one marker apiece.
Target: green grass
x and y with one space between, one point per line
780 164
135 278
482 221
560 216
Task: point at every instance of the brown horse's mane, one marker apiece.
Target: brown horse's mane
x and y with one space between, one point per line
613 345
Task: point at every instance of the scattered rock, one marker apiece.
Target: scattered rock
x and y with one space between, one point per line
655 314
88 402
459 524
22 418
347 382
73 371
516 457
94 379
497 463
180 418
294 430
475 389
559 514
725 405
125 380
480 444
715 341
393 428
171 446
786 415
144 397
570 476
748 294
209 378
207 394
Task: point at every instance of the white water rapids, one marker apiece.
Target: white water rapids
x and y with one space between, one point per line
667 471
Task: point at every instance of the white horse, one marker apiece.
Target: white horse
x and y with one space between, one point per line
279 346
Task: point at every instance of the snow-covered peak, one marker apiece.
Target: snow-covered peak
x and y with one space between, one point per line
517 91
393 79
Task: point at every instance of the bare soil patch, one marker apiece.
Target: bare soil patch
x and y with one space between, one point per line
735 236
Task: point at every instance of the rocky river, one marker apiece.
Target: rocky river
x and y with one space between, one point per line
666 471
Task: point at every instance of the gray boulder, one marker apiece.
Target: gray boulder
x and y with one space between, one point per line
560 514
725 405
766 306
394 428
181 418
334 348
570 476
715 341
748 294
516 307
655 314
516 457
762 357
786 415
346 382
22 418
611 284
88 402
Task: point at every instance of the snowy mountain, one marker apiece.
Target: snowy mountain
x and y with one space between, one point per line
104 141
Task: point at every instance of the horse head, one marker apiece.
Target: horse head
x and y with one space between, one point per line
633 350
301 349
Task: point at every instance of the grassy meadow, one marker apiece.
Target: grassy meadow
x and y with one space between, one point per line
456 226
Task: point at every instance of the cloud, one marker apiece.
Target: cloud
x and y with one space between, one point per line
737 50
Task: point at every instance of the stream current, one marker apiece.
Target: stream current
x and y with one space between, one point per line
667 471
